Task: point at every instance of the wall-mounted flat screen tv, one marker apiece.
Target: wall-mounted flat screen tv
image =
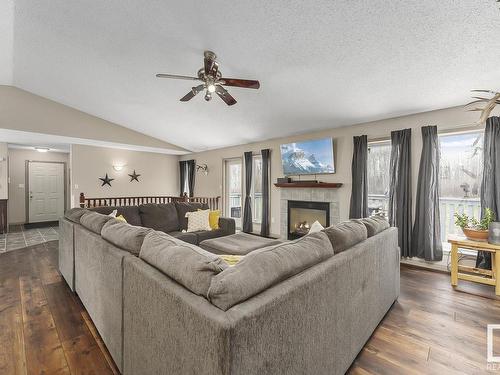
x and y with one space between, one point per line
308 157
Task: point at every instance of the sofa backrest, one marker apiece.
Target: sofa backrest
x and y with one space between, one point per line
345 235
125 236
75 214
265 267
130 213
94 221
189 265
162 217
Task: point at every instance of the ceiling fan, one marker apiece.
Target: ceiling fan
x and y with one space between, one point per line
213 81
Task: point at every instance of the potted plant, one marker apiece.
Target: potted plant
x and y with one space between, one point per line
475 230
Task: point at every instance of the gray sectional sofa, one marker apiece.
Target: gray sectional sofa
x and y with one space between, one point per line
165 306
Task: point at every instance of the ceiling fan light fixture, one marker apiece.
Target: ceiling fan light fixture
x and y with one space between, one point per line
211 88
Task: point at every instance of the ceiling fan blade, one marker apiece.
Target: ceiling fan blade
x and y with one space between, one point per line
209 61
174 76
224 95
245 83
194 91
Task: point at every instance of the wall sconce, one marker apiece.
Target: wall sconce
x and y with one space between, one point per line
203 168
119 167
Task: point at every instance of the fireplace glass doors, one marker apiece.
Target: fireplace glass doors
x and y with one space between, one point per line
301 215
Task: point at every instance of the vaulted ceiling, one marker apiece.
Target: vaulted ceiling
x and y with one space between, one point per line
321 64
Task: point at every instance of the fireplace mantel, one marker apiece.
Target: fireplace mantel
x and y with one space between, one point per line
320 185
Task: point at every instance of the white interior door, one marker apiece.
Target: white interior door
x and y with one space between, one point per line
46 191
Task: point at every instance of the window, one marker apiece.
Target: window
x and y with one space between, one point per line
256 193
233 189
379 160
460 175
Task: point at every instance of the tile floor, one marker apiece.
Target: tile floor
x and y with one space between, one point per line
19 237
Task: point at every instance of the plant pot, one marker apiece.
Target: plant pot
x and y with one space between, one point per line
476 235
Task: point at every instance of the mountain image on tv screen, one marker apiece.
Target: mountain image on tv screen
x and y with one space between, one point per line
308 157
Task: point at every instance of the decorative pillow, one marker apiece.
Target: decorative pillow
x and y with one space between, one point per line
345 235
198 220
316 227
113 213
121 218
213 219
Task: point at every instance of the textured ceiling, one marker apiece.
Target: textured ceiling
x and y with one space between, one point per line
321 63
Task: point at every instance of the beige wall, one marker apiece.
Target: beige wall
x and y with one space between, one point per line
446 119
4 187
17 174
24 111
159 173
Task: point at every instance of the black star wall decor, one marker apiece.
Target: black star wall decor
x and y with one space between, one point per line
134 176
106 180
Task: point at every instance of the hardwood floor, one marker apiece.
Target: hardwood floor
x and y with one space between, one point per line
431 329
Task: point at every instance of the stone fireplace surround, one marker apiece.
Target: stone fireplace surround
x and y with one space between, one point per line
308 195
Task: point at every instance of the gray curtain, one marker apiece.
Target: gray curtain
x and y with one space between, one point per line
247 211
400 187
264 226
191 175
182 176
490 187
426 237
359 194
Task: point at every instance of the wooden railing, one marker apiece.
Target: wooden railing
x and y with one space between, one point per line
212 202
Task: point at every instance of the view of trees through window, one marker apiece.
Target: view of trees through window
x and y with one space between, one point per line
460 176
379 159
257 189
233 186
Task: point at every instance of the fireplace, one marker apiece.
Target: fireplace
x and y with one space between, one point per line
302 214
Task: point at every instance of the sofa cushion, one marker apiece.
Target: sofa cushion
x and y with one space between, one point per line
345 235
374 224
236 244
125 236
162 217
130 213
94 221
191 238
185 207
189 265
75 214
208 234
265 267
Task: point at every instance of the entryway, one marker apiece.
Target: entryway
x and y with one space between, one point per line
45 191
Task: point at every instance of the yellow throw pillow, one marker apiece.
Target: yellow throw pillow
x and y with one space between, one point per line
121 218
213 219
231 260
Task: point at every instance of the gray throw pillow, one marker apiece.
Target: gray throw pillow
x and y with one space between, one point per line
266 267
125 236
374 224
94 221
75 214
345 235
187 264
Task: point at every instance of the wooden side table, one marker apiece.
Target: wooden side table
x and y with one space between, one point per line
478 275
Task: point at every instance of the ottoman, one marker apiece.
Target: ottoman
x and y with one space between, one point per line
237 244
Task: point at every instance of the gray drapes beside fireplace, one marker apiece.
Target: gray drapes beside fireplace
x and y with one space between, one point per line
264 226
247 211
426 237
490 187
359 194
400 210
